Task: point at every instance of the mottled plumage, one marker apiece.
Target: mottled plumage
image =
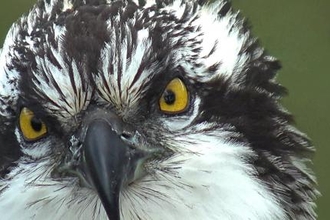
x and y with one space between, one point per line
231 153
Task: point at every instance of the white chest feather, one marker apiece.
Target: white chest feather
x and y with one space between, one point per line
210 181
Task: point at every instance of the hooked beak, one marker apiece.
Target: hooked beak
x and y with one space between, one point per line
110 162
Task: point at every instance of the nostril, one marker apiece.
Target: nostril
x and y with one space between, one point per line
130 137
126 135
128 132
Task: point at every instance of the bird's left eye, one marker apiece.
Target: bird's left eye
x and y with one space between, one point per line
175 98
31 127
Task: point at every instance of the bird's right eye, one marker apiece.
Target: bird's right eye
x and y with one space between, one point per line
31 127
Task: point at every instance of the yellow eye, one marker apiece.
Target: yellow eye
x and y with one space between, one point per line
175 98
32 128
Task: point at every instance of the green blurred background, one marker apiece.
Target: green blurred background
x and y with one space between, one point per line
298 33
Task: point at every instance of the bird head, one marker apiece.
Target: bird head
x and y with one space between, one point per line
145 110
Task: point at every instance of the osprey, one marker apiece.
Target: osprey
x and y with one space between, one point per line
151 110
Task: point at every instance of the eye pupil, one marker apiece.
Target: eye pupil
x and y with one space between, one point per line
36 124
169 97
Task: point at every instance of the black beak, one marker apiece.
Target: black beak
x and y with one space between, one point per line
109 163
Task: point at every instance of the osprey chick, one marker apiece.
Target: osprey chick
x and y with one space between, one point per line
145 110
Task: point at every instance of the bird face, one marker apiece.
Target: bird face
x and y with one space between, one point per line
149 110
